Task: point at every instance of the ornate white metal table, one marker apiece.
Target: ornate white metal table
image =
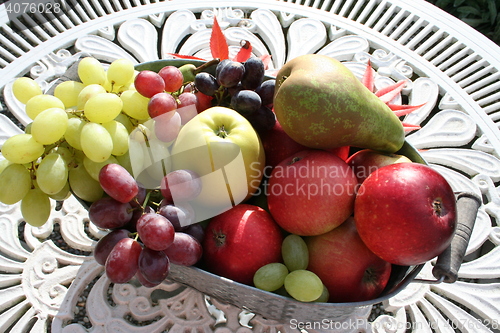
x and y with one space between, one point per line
49 281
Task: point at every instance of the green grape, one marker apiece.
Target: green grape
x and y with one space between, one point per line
135 105
63 194
35 207
124 161
68 92
270 277
87 92
22 148
24 88
73 132
324 297
83 185
295 253
93 168
15 182
52 174
119 135
96 142
3 164
102 108
42 102
120 72
49 126
91 71
65 153
303 285
126 121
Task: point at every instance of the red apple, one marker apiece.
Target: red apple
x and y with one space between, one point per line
311 192
240 241
347 268
278 145
406 213
365 161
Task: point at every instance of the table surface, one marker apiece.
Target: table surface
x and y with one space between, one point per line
49 281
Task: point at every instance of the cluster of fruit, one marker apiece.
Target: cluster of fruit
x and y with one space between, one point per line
92 136
241 86
143 240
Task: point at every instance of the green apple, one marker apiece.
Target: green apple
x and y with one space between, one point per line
223 148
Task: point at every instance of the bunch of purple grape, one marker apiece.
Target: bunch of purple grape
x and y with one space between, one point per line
144 240
241 86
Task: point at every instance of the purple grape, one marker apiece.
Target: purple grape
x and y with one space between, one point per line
262 120
246 102
220 66
155 231
107 243
180 215
108 213
118 183
254 73
196 230
154 266
230 75
206 83
123 260
180 185
185 250
266 92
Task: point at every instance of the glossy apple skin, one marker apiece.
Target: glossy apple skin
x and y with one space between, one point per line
240 241
365 161
406 213
311 192
348 269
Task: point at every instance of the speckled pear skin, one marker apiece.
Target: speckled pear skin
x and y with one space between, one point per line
321 104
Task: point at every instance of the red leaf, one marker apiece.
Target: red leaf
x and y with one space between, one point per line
218 43
403 110
182 56
388 93
409 127
244 53
368 77
266 59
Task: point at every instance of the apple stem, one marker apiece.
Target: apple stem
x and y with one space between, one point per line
220 239
221 132
438 207
295 160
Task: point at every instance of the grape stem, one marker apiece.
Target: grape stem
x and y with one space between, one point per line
206 65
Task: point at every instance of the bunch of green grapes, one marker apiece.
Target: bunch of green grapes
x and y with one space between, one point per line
83 126
291 278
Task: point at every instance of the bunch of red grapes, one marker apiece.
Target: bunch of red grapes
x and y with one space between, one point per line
144 239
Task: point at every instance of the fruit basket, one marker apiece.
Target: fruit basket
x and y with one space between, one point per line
273 306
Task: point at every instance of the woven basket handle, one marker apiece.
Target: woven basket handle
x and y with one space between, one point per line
449 262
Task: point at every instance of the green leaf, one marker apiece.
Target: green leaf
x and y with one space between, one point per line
469 10
474 22
492 7
458 3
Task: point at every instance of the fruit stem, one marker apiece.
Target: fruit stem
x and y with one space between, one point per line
437 205
221 132
219 238
206 65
